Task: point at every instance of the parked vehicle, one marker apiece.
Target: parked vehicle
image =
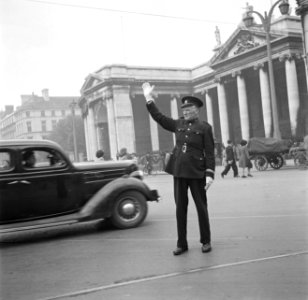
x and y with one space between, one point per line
268 151
41 187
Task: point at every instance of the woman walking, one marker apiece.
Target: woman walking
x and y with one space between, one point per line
244 161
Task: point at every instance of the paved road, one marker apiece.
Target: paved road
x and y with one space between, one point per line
260 249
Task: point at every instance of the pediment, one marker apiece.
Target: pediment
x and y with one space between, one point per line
91 81
242 40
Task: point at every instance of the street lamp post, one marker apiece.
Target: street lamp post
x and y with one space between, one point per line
73 105
266 22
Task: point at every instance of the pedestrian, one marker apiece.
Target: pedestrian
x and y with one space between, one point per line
244 161
192 164
149 163
100 154
124 155
230 160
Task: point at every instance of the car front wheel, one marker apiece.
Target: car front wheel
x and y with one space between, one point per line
129 210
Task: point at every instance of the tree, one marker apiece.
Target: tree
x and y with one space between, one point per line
63 134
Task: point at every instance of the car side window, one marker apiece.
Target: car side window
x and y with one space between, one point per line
33 159
6 162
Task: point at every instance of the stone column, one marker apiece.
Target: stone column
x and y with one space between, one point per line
302 11
265 98
154 134
174 110
292 89
86 134
112 129
223 111
124 118
209 109
92 135
243 104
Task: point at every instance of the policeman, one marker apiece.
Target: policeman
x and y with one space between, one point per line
192 164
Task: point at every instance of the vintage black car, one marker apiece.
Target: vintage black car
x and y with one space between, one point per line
41 187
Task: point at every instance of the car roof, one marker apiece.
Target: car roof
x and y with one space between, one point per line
26 142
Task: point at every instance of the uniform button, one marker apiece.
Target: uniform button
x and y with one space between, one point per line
188 129
189 124
186 136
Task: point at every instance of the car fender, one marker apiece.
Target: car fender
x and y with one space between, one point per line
100 205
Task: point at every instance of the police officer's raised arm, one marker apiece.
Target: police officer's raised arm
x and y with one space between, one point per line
166 122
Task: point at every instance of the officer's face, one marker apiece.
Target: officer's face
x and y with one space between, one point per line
190 112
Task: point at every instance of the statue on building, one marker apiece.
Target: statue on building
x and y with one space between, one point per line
217 36
248 7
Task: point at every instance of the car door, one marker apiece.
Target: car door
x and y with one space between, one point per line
10 206
44 189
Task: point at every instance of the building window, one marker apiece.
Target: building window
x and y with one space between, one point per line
29 126
53 124
53 113
27 114
63 113
42 113
44 126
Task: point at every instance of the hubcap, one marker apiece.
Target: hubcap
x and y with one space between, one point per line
128 208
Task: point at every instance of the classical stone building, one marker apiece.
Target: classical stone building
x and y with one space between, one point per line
234 85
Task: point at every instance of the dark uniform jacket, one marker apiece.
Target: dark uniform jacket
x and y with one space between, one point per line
193 153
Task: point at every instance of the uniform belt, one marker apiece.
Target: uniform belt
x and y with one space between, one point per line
185 146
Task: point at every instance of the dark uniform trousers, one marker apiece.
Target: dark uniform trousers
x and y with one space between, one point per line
196 187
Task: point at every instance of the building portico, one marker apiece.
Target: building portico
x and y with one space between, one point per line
234 86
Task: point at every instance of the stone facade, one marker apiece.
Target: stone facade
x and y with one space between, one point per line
234 85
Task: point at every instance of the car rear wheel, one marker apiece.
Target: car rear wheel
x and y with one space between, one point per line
129 210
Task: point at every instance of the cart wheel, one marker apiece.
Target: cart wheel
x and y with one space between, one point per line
261 163
276 161
301 161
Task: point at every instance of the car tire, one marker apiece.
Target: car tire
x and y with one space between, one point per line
129 210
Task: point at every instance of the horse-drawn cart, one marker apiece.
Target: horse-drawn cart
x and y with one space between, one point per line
268 151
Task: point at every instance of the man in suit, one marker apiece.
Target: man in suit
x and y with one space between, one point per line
231 160
192 164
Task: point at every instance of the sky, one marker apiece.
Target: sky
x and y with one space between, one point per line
55 44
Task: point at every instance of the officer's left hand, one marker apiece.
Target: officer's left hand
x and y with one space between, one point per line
209 181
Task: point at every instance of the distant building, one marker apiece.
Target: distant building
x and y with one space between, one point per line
36 117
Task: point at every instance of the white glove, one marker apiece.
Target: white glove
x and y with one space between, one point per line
209 180
148 91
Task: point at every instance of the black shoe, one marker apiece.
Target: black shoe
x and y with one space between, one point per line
249 175
206 248
180 250
222 175
244 176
